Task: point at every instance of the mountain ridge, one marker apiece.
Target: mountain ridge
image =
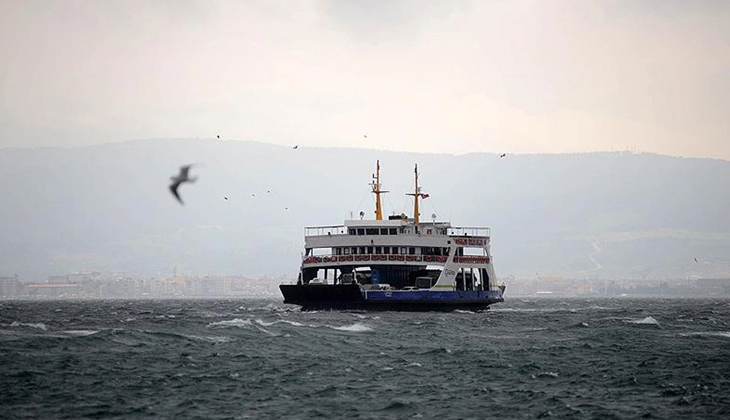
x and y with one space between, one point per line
106 207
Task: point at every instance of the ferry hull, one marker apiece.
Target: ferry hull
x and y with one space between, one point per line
314 297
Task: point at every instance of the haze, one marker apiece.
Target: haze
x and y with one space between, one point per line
437 76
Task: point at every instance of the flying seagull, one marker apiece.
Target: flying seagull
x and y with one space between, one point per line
179 179
696 260
225 198
503 155
295 147
219 136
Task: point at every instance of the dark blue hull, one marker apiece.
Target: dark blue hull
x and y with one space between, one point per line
313 297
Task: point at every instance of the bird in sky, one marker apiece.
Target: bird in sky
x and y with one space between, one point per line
365 135
696 260
219 136
503 155
295 147
183 176
225 198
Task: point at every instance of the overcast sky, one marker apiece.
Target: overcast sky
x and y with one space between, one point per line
437 76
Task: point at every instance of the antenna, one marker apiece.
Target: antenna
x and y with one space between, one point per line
377 191
416 195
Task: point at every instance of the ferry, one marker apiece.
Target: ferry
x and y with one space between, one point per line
399 263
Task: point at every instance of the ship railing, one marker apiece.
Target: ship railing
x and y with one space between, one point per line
325 230
469 231
357 258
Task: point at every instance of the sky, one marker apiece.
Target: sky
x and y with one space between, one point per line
445 76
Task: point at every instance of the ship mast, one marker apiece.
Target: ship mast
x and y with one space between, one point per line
416 195
377 191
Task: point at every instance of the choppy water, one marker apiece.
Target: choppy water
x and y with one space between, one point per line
234 359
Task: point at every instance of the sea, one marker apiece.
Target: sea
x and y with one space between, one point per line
261 359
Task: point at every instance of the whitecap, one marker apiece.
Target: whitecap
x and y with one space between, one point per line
268 324
356 327
80 333
550 374
39 325
237 322
415 364
267 332
645 321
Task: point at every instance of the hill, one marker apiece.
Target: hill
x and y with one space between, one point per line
107 208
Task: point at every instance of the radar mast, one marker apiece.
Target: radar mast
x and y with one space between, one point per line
377 191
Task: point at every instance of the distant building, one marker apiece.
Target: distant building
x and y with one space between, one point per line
714 286
10 287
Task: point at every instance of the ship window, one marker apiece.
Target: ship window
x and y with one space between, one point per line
347 251
429 231
370 250
378 250
354 250
386 250
361 231
371 231
393 231
403 250
384 231
361 250
337 251
411 250
351 231
395 250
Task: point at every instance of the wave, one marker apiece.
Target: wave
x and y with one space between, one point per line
280 321
237 322
259 323
644 321
545 375
209 338
39 325
80 333
464 311
356 327
724 334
